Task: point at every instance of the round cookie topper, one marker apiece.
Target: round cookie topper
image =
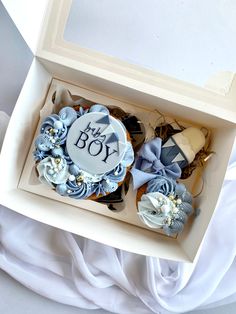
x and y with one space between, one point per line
96 142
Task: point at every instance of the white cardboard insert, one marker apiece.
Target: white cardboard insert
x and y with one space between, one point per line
29 181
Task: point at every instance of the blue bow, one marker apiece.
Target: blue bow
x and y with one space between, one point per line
148 165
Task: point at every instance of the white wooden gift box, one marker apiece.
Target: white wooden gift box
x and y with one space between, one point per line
109 78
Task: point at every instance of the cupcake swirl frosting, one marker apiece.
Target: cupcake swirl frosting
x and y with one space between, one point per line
166 205
162 184
55 129
53 170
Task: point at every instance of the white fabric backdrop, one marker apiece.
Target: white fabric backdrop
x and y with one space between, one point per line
80 272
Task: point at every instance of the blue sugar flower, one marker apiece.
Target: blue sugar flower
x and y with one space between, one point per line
82 111
54 127
39 154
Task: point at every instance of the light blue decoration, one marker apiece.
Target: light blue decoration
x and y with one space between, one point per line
171 152
112 139
104 120
166 205
156 210
181 216
67 158
187 208
74 170
118 174
43 143
128 158
99 189
105 186
55 166
62 189
162 184
48 123
99 108
39 154
81 111
68 115
57 152
109 186
82 191
180 189
58 125
187 197
148 164
53 171
58 135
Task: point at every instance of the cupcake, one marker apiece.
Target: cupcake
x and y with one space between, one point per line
164 204
83 152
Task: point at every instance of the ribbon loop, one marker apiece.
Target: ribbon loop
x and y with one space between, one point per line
148 164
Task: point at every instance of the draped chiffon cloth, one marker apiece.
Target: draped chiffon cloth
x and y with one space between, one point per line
83 273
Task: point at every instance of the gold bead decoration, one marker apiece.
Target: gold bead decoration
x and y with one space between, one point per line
79 179
51 131
57 160
179 201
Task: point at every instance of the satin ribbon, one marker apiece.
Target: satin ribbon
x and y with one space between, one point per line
148 165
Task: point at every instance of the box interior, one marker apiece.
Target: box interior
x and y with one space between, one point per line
86 223
29 181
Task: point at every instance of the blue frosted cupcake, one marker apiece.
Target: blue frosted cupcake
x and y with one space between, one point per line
83 153
164 204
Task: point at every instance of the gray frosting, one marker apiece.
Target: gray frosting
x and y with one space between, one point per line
164 185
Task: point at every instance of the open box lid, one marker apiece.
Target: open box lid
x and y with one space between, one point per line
50 31
28 17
